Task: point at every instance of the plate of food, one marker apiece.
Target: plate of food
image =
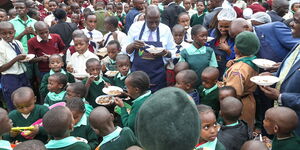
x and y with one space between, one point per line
155 50
102 52
80 75
210 38
263 63
264 80
112 90
111 73
28 57
104 100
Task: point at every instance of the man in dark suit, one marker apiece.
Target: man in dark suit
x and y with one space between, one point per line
215 6
287 91
279 9
170 14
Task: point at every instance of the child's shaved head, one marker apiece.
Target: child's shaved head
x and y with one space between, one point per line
31 144
56 56
77 32
211 71
6 25
101 120
22 94
5 122
122 57
188 76
92 61
181 66
40 25
178 28
254 145
231 109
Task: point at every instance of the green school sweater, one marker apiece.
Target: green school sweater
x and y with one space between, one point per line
211 99
68 143
118 82
19 121
128 120
82 129
195 19
95 91
122 141
43 87
49 100
286 144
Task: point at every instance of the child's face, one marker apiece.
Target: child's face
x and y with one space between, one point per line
91 22
54 85
75 18
93 68
225 93
43 33
6 124
296 7
75 9
187 4
21 9
77 115
80 45
71 93
223 27
24 105
155 2
110 8
12 14
107 26
178 36
268 123
80 2
52 6
123 66
209 127
119 9
180 83
112 51
3 16
7 34
126 8
184 20
201 37
56 64
200 7
208 81
133 92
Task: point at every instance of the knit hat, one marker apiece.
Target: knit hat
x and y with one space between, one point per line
168 120
247 43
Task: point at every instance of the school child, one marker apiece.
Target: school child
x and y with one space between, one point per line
58 122
109 62
43 46
114 138
121 15
233 132
199 16
12 13
186 80
82 127
26 113
94 35
198 56
75 18
95 82
180 66
56 86
52 5
178 33
254 145
6 126
184 20
123 66
189 7
111 26
12 70
281 122
239 74
226 91
3 15
209 90
79 58
134 148
78 89
55 64
172 70
209 129
31 144
138 84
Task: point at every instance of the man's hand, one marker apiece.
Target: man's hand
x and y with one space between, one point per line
275 67
266 74
161 54
138 44
271 93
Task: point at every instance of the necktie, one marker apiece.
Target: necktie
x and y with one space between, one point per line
185 37
16 48
150 38
289 63
91 35
178 48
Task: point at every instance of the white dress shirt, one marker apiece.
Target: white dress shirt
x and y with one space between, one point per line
7 53
97 36
77 61
165 34
121 36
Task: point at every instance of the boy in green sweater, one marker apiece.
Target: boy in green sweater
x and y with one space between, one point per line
26 113
281 122
123 66
209 90
96 82
199 16
56 86
58 122
55 64
137 84
5 128
114 138
82 127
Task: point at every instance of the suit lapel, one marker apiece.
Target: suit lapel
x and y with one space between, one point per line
278 72
294 68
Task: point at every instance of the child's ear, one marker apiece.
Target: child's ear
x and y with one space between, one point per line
112 118
189 86
34 99
61 86
276 128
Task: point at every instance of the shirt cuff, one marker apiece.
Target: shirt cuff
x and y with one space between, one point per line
279 100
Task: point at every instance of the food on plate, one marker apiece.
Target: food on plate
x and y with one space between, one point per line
264 63
111 73
104 100
155 50
264 80
114 92
28 57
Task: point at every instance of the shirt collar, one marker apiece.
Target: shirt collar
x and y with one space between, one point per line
111 136
233 124
85 54
201 49
56 97
39 39
28 19
5 145
61 71
142 96
209 145
207 91
83 121
170 4
121 77
98 81
61 143
148 30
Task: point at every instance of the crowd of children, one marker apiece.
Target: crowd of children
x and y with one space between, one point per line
57 57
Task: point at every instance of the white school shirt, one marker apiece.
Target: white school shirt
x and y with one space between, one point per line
165 34
78 61
97 36
121 36
7 53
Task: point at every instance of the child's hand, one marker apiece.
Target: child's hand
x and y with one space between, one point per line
43 58
34 132
115 36
20 57
229 63
119 102
106 84
70 68
14 133
90 80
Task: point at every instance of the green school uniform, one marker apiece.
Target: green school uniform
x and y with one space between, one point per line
82 129
197 19
120 139
19 121
213 145
53 98
95 90
210 97
68 143
286 144
128 120
119 80
43 87
5 145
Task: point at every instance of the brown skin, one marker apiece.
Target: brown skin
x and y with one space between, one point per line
200 38
71 93
209 127
101 121
93 69
5 122
123 66
178 36
209 79
182 84
43 32
223 27
3 16
200 7
225 93
56 63
91 22
77 115
54 85
184 20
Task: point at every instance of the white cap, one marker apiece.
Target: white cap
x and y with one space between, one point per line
227 14
261 17
247 13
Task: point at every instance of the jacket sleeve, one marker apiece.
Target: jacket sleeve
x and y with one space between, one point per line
291 100
284 35
165 18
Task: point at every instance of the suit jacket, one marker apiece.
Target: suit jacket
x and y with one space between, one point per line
130 17
290 90
65 30
274 16
276 40
208 17
170 15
